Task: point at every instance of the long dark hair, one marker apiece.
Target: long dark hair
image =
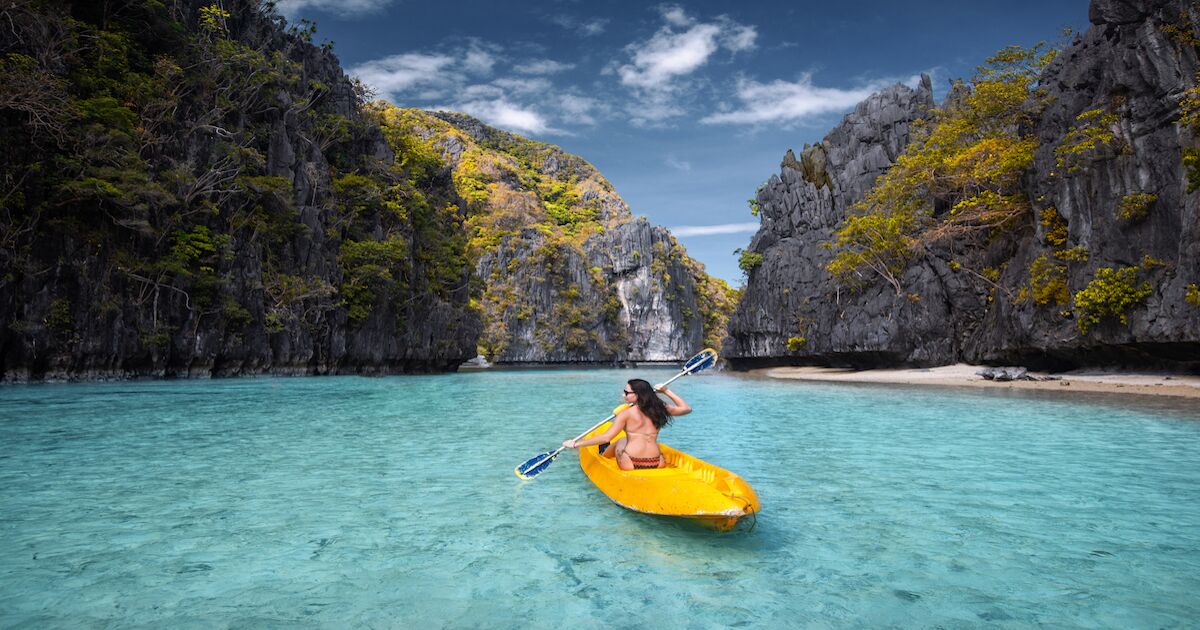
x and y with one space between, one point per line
649 402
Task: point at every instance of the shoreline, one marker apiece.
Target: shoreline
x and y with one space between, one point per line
964 375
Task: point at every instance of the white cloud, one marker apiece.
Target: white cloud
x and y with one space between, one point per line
479 61
501 113
428 76
675 16
659 68
669 54
396 74
542 66
523 98
587 28
678 164
737 37
523 85
787 102
292 8
479 91
652 109
579 109
594 26
712 230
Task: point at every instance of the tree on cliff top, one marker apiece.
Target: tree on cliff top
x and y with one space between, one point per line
957 182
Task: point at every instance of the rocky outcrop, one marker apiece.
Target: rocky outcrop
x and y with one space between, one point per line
625 295
196 227
790 295
202 192
1130 64
569 275
1135 62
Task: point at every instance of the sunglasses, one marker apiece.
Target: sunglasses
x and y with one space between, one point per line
627 392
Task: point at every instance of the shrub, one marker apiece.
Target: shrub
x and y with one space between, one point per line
873 242
235 314
156 341
1092 132
969 157
274 323
1075 254
1110 294
1193 295
795 344
1055 226
749 261
1135 207
1048 281
58 319
1189 107
370 269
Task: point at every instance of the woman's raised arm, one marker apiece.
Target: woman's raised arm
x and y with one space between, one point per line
679 408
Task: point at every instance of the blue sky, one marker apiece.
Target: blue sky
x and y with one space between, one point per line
685 107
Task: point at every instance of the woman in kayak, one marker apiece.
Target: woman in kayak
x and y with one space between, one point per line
641 421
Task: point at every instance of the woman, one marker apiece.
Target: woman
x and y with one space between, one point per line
641 421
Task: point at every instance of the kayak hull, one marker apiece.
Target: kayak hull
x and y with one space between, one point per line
688 487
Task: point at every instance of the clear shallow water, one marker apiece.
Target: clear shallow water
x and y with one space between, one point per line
387 502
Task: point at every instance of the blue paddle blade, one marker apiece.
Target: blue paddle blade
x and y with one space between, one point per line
705 359
535 465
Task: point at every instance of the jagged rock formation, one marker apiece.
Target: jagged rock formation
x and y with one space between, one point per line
197 190
625 295
191 190
1129 63
790 295
1125 205
570 276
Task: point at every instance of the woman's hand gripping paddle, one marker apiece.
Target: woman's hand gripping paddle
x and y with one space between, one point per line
538 464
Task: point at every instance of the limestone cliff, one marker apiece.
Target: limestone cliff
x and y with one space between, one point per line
790 295
192 189
568 274
1101 267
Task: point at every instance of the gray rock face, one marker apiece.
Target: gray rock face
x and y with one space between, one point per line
1126 64
82 315
624 295
627 292
790 295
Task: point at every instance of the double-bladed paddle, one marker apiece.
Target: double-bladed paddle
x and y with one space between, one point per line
537 464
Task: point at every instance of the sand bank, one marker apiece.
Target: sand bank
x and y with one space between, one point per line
965 375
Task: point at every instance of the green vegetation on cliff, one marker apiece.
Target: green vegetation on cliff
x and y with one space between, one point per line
958 180
531 213
194 166
199 186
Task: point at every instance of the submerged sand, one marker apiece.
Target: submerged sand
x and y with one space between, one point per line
965 375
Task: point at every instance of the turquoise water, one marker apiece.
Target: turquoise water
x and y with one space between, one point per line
388 502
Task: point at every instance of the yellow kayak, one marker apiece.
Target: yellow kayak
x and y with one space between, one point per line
688 487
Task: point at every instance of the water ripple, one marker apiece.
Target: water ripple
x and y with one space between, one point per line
354 502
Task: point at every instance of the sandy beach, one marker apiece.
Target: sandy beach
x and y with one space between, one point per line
966 375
